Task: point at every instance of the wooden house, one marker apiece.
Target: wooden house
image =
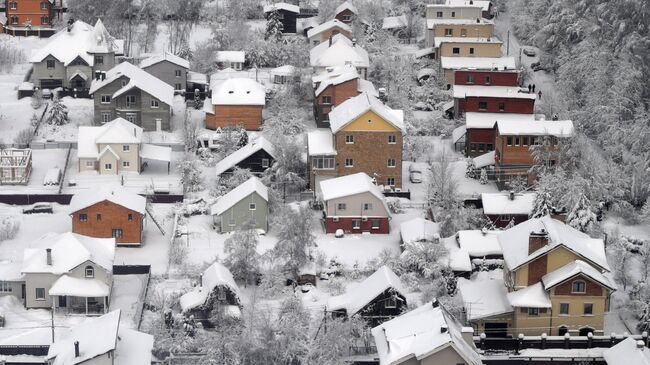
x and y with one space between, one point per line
339 51
216 296
235 102
345 12
480 132
257 156
287 13
246 204
492 99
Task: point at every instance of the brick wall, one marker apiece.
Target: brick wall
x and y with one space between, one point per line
338 94
346 225
370 153
476 137
113 216
250 116
30 10
537 269
592 289
512 105
497 78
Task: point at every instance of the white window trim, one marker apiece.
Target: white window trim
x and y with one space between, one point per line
108 166
252 206
36 297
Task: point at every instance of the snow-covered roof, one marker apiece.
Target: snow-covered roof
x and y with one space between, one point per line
514 242
342 51
306 23
346 6
286 70
119 130
423 52
394 22
213 276
557 128
231 56
197 78
484 298
570 270
334 76
282 6
419 229
484 160
354 301
501 203
10 271
532 296
348 185
239 91
483 4
437 41
79 287
250 186
80 42
479 243
457 258
138 78
366 86
96 336
421 333
627 352
431 23
425 72
113 194
165 56
321 143
464 91
158 153
243 153
133 347
69 250
353 108
3 18
478 63
476 120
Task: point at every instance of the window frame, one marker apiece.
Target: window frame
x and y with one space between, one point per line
117 233
455 51
126 164
5 287
356 223
83 217
126 148
131 100
326 99
98 216
390 302
266 163
392 139
39 297
349 139
367 206
471 51
108 166
391 163
390 181
564 305
155 104
50 62
341 206
90 269
252 206
99 60
584 287
482 105
129 217
591 309
533 312
375 223
349 162
105 99
13 5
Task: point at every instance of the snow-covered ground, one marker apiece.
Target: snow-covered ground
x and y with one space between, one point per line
126 296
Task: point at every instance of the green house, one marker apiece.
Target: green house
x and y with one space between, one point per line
248 201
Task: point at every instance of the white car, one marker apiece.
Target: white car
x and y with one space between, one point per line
530 52
415 175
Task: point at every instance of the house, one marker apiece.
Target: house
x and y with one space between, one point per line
29 17
480 243
73 273
109 212
450 65
396 25
287 13
216 295
334 86
457 27
555 277
231 59
492 99
354 204
480 131
487 306
247 203
345 12
235 102
368 138
513 143
339 51
324 32
169 68
257 156
128 92
627 352
16 166
286 74
467 47
12 281
494 77
377 299
503 208
101 340
74 56
428 334
446 11
484 5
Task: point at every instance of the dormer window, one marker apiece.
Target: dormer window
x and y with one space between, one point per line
50 64
578 287
90 271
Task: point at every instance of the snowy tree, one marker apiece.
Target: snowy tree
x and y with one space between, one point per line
424 257
484 176
581 217
190 171
198 102
620 254
470 170
295 239
542 206
644 252
645 211
443 187
287 174
273 27
241 257
58 113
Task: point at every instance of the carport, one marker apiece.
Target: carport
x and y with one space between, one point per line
156 153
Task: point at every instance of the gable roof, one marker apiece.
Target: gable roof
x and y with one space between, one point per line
394 22
239 91
138 78
342 51
353 108
215 275
96 336
627 352
484 298
320 143
231 56
69 250
347 185
165 56
117 131
480 243
250 186
421 333
335 76
282 6
116 195
533 296
572 269
514 242
346 6
557 128
243 153
500 203
365 292
327 26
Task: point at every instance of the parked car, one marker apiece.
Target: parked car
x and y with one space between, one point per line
46 93
537 67
415 175
530 52
39 208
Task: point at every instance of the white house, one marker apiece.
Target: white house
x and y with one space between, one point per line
231 59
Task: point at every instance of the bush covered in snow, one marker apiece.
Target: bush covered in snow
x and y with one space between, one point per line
9 227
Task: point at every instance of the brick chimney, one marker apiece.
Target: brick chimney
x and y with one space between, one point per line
537 241
48 253
76 349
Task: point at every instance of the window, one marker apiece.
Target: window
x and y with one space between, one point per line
463 32
326 163
392 139
106 99
126 164
390 181
108 166
132 117
154 104
453 14
99 60
535 141
588 309
14 20
349 139
455 50
129 217
43 5
472 147
346 18
470 78
45 20
481 147
471 50
505 218
524 141
90 272
375 223
40 293
50 64
177 73
356 224
126 148
449 32
533 311
349 162
221 294
578 287
106 117
488 80
13 5
252 206
390 162
327 99
90 164
564 309
341 206
99 216
502 107
438 14
117 233
123 83
5 287
178 86
482 105
83 217
391 302
130 101
517 141
509 141
265 162
367 206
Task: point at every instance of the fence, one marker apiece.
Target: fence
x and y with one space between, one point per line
550 342
131 269
33 350
64 199
398 194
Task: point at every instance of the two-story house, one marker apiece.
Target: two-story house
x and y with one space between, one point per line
354 204
480 132
74 56
235 102
503 209
112 148
492 99
334 86
29 17
457 27
500 65
323 32
246 204
286 13
466 47
128 92
74 273
339 51
169 68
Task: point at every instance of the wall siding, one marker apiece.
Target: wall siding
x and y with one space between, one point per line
241 214
113 216
248 116
166 71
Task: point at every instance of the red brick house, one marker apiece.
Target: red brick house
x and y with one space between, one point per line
502 208
487 77
354 204
492 99
324 32
480 130
235 102
109 212
345 12
29 17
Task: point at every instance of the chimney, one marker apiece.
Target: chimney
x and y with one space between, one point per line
103 75
471 2
135 134
468 335
70 24
443 328
48 253
640 345
511 195
483 231
76 349
537 241
354 42
331 39
98 75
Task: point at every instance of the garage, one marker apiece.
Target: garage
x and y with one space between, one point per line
498 329
51 83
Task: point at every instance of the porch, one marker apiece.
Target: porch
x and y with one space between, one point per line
79 296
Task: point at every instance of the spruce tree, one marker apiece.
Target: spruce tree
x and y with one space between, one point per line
542 206
581 217
273 26
58 113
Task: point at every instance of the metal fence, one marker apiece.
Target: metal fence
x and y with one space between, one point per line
64 199
33 350
131 269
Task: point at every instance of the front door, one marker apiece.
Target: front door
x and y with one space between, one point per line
158 125
63 301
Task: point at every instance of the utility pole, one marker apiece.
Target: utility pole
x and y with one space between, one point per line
52 322
508 46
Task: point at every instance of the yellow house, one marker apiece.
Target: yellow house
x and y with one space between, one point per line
477 28
467 47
